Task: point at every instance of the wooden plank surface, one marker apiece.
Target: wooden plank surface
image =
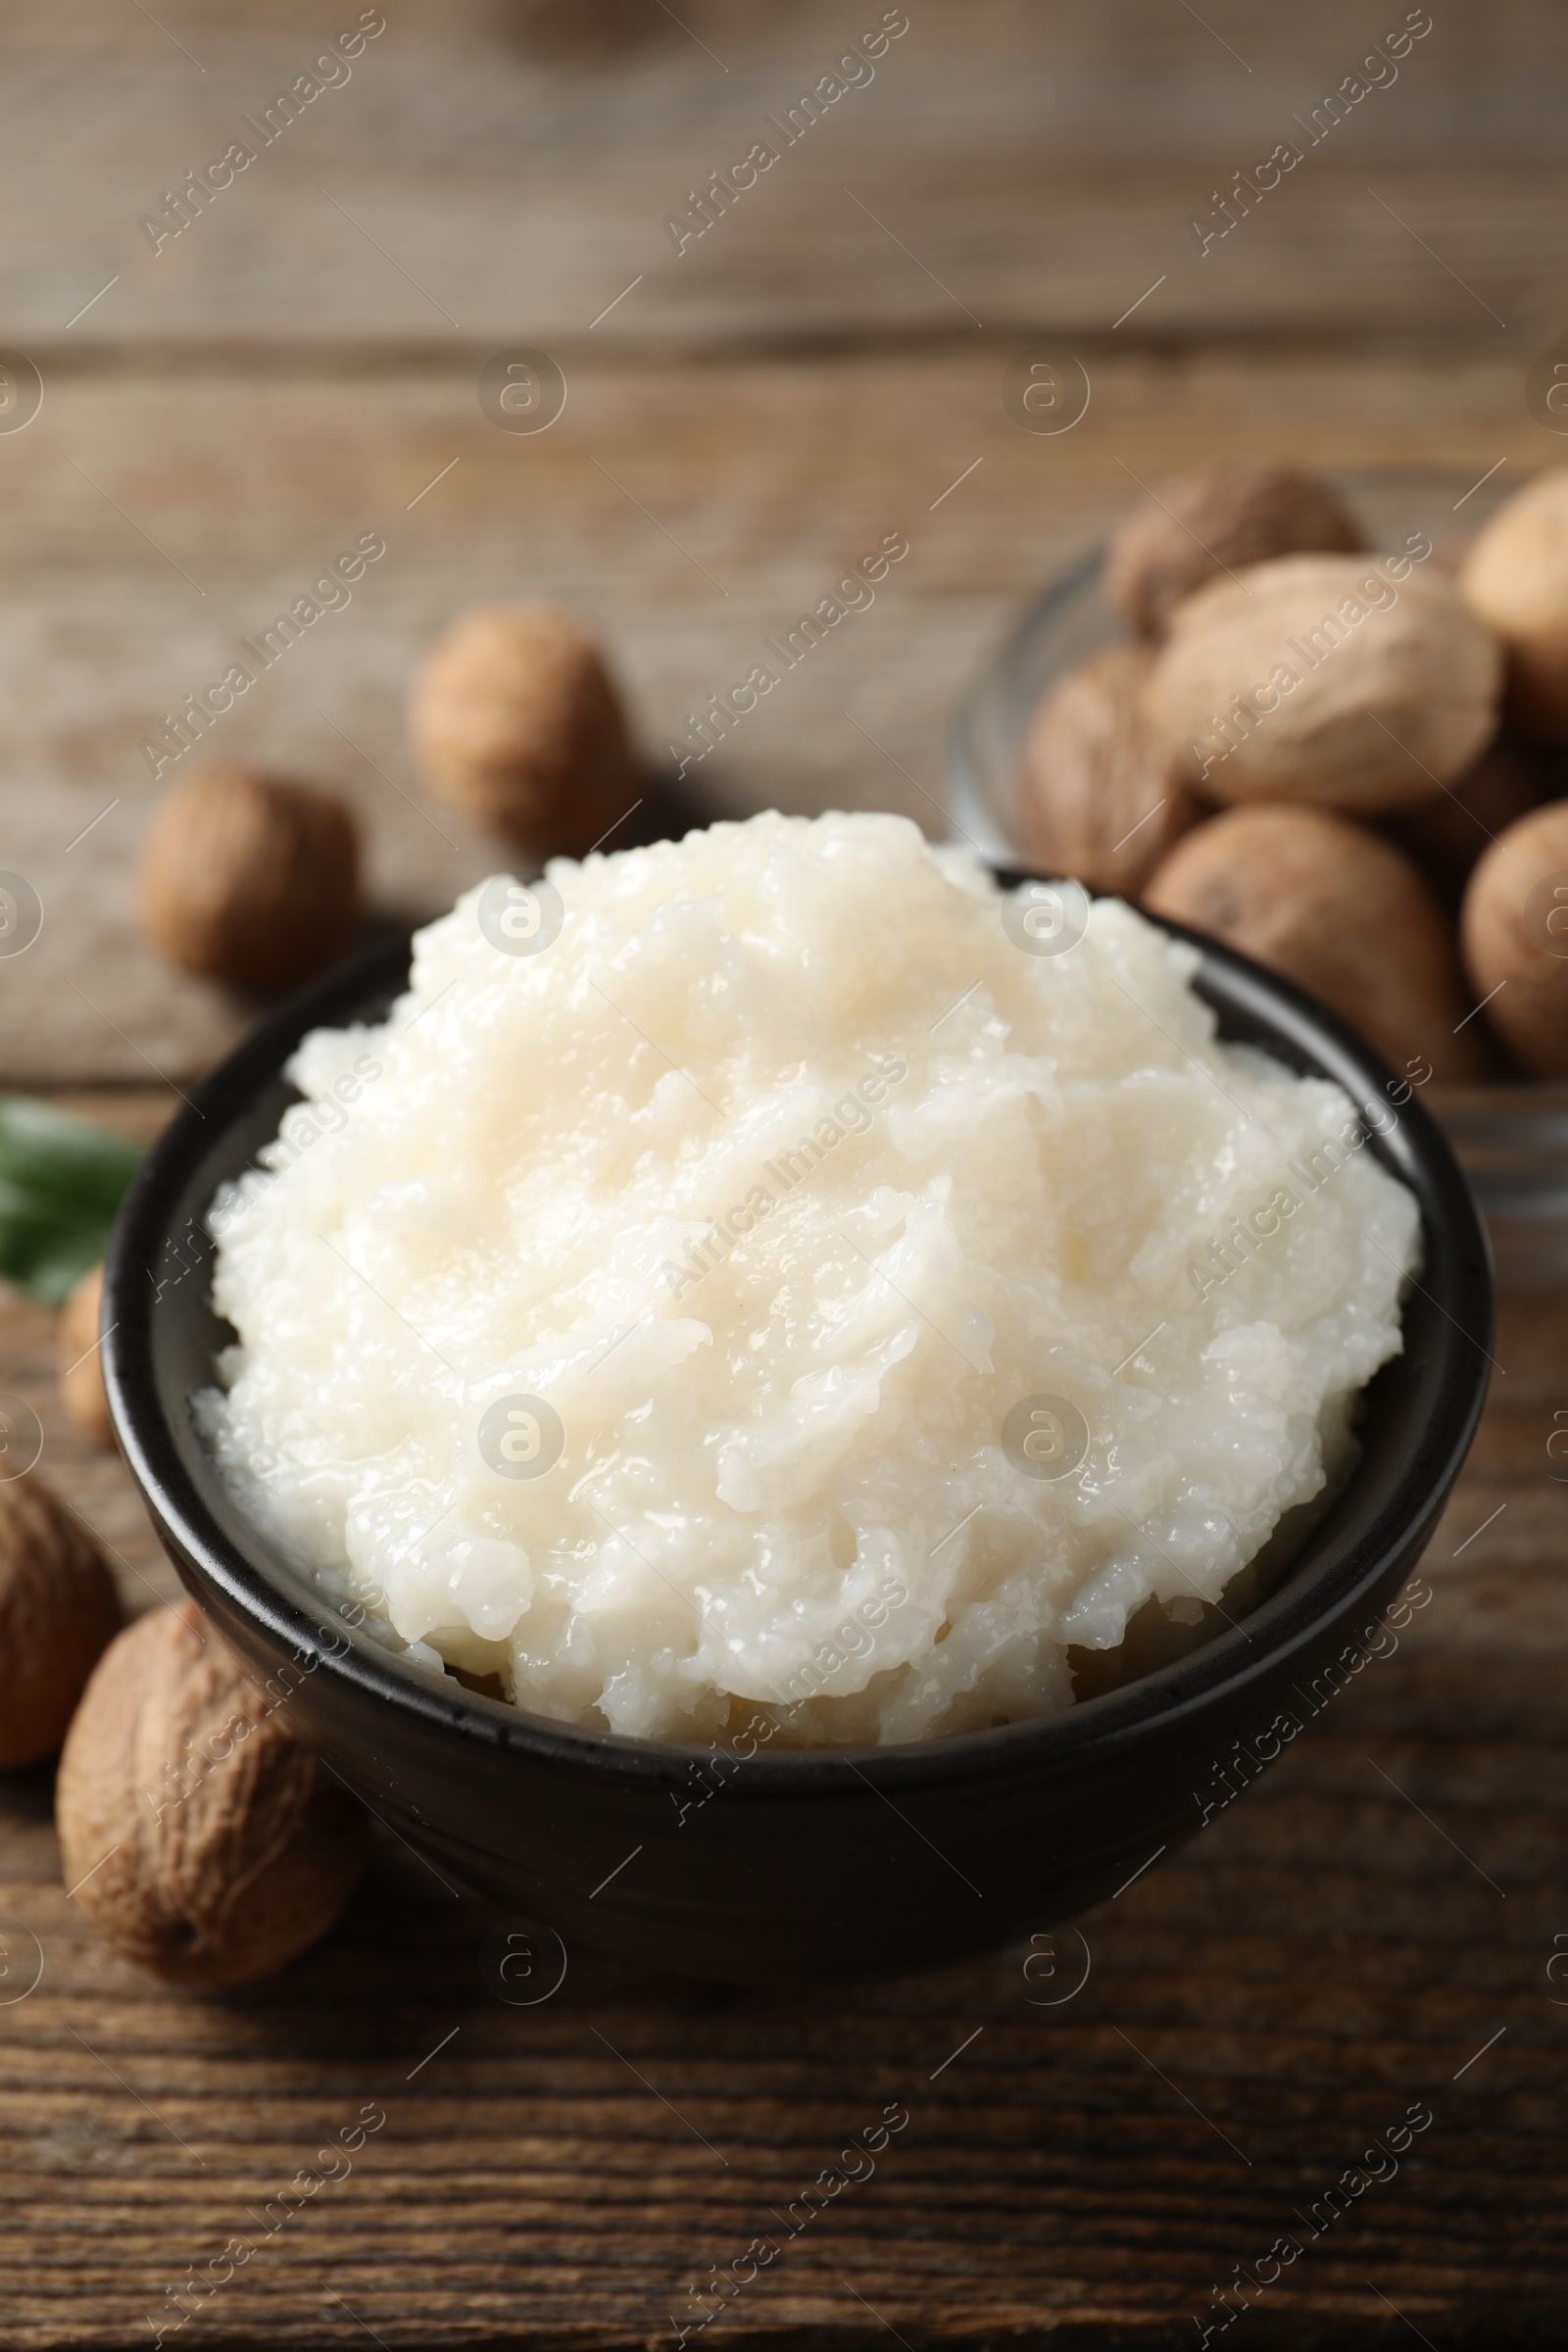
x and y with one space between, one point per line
822 366
1343 1940
506 171
158 514
222 414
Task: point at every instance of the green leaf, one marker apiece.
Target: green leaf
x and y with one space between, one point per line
45 1151
61 1181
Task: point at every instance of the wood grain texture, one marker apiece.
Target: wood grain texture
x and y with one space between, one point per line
230 410
159 513
1342 1939
507 171
220 420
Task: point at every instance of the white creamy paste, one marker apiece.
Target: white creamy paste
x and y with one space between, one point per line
783 1175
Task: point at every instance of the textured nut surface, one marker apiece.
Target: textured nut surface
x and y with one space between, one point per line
1339 911
80 1359
58 1610
249 879
1516 577
1202 525
1446 834
1331 683
1514 931
518 722
1099 797
217 1845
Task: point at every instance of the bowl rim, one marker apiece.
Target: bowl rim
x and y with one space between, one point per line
1284 1624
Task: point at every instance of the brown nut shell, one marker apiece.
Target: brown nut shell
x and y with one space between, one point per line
203 1839
1336 911
58 1612
1321 678
1446 834
249 879
1516 578
80 1359
1513 928
1099 797
1200 526
518 722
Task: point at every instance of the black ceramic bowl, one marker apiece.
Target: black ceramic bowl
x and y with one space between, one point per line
797 1863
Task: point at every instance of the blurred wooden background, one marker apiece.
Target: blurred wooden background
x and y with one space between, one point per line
744 419
300 363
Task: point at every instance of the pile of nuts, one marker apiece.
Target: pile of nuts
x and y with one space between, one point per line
1340 762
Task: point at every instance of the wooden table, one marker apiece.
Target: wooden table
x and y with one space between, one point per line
1375 1923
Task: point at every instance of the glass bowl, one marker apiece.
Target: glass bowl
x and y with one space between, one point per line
1511 1138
